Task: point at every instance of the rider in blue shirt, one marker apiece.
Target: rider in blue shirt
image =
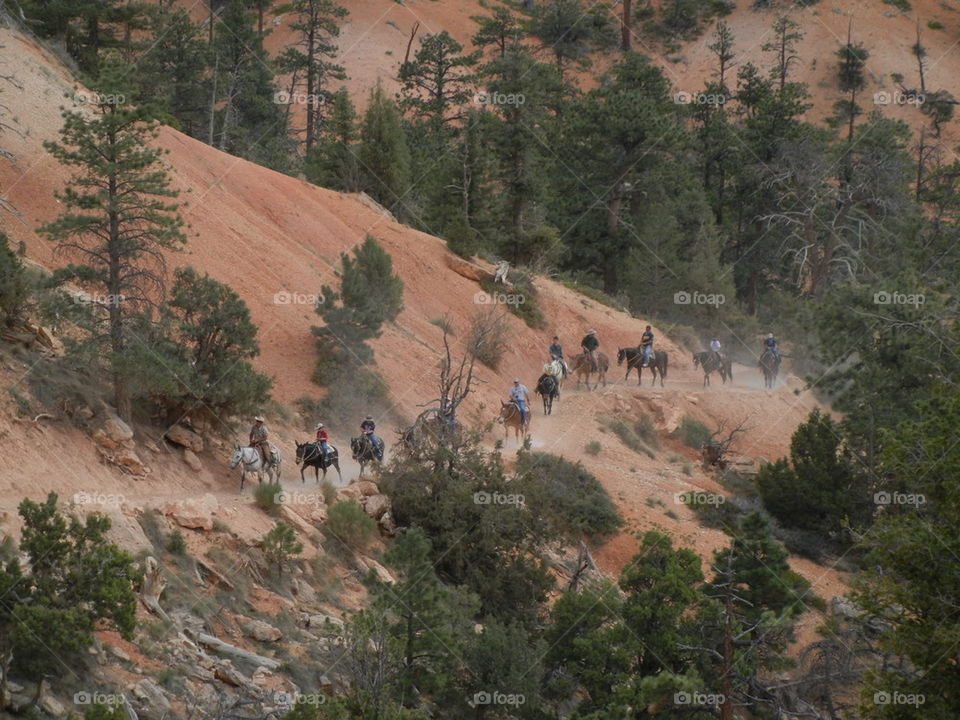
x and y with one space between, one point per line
771 345
520 395
367 427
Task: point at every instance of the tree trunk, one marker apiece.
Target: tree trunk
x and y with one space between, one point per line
625 37
121 395
726 682
313 109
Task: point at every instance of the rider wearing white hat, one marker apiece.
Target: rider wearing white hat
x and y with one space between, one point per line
258 439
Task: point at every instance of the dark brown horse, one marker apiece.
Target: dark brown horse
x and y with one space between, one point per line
770 366
708 361
634 358
582 366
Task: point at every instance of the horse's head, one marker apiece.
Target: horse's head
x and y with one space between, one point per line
300 447
696 359
504 411
237 457
621 354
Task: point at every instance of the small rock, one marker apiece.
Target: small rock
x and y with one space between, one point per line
130 461
118 653
261 676
179 435
318 516
259 630
376 505
152 697
51 706
193 512
351 492
113 433
333 625
85 412
192 461
304 590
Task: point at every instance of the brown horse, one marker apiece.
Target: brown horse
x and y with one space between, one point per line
769 364
707 360
582 367
511 417
634 358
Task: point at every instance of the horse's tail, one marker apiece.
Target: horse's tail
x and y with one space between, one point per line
663 370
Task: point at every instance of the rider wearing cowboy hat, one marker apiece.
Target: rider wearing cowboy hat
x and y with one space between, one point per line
258 440
367 427
322 438
521 396
590 345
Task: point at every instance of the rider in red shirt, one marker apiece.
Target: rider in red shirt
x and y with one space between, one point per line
323 437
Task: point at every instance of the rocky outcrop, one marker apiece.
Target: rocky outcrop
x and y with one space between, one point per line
259 630
184 437
376 505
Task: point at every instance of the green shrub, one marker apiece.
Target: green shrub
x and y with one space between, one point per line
444 323
14 285
628 435
935 25
524 296
267 497
903 6
593 447
692 432
647 432
176 544
280 545
348 523
567 495
329 492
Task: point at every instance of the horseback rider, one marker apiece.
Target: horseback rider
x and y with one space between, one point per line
367 427
646 345
323 438
771 344
521 396
715 349
556 353
258 440
590 345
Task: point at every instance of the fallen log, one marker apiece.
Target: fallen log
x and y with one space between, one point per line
220 646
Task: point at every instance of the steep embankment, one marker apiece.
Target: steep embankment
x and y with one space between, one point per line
276 240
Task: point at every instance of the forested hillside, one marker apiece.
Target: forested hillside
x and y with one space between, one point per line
325 212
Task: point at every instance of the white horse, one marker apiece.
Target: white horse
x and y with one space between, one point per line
557 369
250 458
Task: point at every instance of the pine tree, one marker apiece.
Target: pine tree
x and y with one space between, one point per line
14 287
74 578
117 222
333 161
850 74
570 31
309 59
786 34
438 81
384 154
280 546
173 70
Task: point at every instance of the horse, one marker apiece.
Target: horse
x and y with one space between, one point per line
311 455
548 387
364 451
250 458
582 366
634 358
769 364
510 417
708 361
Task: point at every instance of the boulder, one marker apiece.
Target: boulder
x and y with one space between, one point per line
387 524
318 516
351 492
294 519
467 269
51 706
113 433
179 435
125 531
366 487
194 513
330 623
259 630
376 505
192 461
303 590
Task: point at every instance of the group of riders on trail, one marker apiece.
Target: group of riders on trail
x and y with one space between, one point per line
519 394
259 439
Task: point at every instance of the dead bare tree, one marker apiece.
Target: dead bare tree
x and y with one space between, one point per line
714 450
